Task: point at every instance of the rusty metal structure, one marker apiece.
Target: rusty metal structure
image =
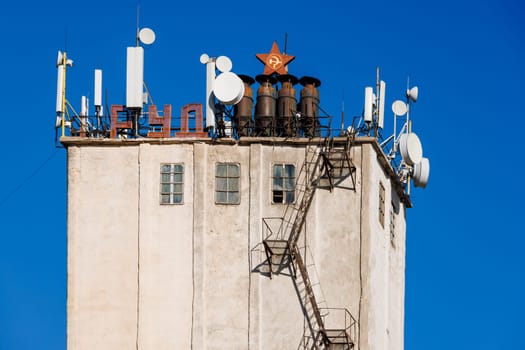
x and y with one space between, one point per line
287 106
244 109
265 108
309 106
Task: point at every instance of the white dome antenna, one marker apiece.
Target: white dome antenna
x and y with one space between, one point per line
146 36
228 88
410 148
399 108
412 94
421 173
223 64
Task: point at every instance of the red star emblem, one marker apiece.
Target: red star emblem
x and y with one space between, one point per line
275 61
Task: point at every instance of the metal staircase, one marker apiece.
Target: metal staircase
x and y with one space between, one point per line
325 161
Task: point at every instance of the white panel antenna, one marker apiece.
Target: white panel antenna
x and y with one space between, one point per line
369 104
381 107
84 109
134 77
60 88
210 79
98 88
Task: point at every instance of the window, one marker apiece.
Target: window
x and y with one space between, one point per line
171 183
392 225
227 183
382 204
283 183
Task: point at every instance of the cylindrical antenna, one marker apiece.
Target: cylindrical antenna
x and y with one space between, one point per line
134 77
369 104
381 105
210 98
98 88
285 43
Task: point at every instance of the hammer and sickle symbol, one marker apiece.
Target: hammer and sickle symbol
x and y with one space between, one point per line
274 61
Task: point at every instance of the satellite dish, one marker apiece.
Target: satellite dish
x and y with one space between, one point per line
421 173
147 36
399 108
228 88
223 64
204 58
412 94
410 148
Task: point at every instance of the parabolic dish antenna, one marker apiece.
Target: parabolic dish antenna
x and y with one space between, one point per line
228 88
204 58
413 93
421 173
410 148
399 107
147 36
223 64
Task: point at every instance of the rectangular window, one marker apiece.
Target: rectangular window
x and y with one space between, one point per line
227 177
171 183
382 204
392 225
283 183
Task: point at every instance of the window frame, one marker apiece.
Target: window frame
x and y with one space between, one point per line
173 182
382 199
228 178
284 178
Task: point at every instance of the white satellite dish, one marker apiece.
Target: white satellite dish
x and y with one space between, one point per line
147 36
413 93
204 58
421 173
223 64
228 88
399 108
410 148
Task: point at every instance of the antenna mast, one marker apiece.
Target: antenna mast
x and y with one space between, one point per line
137 31
342 113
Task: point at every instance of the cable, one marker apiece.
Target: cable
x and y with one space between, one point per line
17 188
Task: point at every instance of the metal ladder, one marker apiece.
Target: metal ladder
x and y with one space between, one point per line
333 159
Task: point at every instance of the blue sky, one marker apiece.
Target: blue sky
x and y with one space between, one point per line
465 277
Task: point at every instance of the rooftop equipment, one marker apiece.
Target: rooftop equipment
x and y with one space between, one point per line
243 109
286 106
265 106
309 106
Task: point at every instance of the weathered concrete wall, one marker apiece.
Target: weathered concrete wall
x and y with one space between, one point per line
382 307
194 275
102 247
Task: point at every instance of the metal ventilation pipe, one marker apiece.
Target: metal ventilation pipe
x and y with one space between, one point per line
286 106
265 106
309 106
243 110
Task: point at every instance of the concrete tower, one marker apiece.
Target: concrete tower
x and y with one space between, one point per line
261 241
